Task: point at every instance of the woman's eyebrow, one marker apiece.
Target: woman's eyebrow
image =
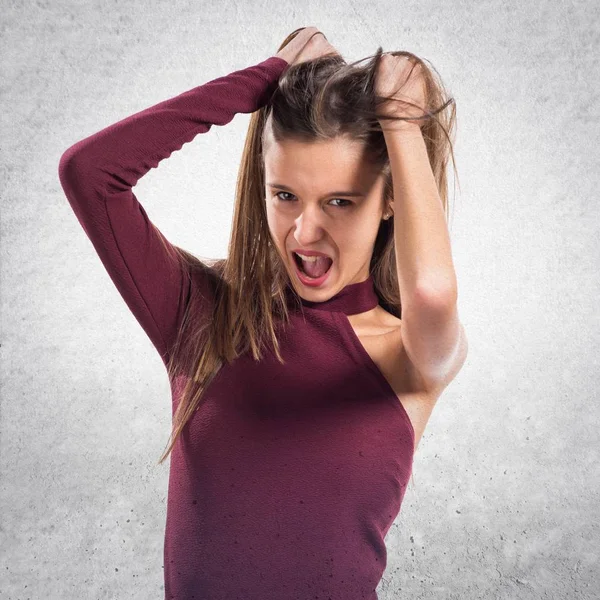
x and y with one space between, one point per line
288 189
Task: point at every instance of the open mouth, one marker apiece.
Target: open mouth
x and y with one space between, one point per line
313 267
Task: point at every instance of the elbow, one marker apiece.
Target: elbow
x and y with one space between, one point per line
67 164
437 295
75 160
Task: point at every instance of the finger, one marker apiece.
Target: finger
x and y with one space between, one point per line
317 33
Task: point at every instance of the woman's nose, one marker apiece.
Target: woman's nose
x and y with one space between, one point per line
309 228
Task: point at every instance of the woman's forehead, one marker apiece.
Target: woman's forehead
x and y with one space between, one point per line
337 162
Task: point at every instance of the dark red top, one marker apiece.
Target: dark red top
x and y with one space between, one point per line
287 480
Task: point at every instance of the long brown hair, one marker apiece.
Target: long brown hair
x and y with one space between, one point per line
315 100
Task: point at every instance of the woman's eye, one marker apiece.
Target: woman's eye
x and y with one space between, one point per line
283 199
348 202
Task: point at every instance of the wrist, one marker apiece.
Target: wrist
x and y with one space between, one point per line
402 128
286 54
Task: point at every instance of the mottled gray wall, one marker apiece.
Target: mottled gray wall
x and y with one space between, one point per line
504 502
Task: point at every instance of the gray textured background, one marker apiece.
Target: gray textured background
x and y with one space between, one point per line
505 499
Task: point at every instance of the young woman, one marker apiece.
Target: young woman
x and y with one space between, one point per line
304 366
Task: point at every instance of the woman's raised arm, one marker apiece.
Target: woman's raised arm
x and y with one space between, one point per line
98 173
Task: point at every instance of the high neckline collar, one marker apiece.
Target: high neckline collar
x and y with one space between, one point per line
352 299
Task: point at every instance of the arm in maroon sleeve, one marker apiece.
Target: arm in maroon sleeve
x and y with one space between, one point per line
98 173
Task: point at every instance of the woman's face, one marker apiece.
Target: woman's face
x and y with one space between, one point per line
323 196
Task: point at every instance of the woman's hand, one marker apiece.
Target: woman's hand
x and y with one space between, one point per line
307 44
394 72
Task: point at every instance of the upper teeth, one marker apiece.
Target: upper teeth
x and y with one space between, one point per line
309 258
